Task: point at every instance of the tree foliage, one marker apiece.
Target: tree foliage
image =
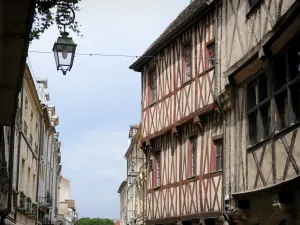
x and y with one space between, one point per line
95 221
59 12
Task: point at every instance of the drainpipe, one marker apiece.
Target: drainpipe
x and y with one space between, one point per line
217 71
10 173
41 144
19 141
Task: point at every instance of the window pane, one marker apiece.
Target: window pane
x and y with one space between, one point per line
295 94
253 129
281 114
252 94
265 112
264 89
280 72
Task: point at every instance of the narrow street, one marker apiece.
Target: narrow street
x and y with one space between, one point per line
174 112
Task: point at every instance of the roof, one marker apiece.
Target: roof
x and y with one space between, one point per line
122 186
194 9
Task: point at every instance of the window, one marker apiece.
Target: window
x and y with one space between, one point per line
188 61
219 155
253 3
211 55
152 84
192 156
156 170
285 94
258 106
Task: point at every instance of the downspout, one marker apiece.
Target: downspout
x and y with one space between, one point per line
39 159
10 173
217 71
19 142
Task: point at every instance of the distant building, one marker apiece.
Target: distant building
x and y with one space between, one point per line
117 222
136 169
123 202
67 214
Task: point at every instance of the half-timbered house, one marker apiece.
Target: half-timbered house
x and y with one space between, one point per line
181 129
260 61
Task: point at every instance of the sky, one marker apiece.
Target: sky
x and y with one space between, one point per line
100 98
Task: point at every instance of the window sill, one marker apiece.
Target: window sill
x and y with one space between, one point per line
156 188
210 69
192 177
187 82
216 172
253 9
151 104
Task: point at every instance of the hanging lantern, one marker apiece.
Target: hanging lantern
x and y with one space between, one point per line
64 52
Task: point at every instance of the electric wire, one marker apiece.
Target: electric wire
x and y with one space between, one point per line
123 55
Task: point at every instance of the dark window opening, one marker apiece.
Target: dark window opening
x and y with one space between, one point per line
265 112
252 3
264 88
252 94
279 72
253 129
295 97
281 116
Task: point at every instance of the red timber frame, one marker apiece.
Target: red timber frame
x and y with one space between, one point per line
183 109
179 100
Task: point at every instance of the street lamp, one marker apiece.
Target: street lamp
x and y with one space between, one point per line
64 52
64 48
